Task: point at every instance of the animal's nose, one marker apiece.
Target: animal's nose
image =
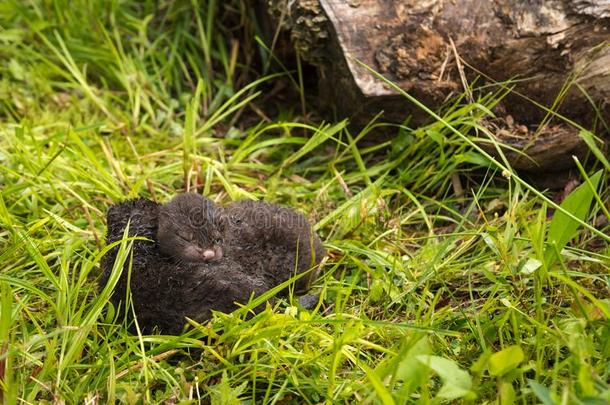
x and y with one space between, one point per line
208 254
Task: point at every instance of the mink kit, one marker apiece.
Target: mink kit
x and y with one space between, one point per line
273 242
191 228
201 257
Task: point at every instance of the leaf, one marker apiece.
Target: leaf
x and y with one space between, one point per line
382 392
456 382
531 266
324 133
589 139
505 360
411 372
480 364
436 137
585 379
223 393
507 393
472 157
403 373
563 228
16 70
376 291
542 392
409 367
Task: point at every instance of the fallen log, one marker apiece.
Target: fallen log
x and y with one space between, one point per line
554 55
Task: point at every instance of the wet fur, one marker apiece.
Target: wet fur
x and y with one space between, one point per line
165 291
265 238
260 247
189 225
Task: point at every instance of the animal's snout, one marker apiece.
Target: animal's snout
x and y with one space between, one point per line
208 254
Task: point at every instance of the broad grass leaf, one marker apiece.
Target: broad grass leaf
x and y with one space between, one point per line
589 139
505 360
402 374
507 393
563 228
586 383
530 266
456 382
324 133
410 365
542 392
411 371
473 158
383 395
376 290
6 309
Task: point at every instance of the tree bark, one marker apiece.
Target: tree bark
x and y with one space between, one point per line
554 54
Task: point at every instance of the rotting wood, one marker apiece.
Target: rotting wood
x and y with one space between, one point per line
556 53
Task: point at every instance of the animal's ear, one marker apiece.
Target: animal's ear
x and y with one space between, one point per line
235 219
224 221
185 234
163 215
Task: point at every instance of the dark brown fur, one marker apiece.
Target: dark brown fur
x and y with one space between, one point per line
260 252
265 238
166 291
191 229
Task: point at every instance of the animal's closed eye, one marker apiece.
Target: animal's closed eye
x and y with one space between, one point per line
187 236
218 241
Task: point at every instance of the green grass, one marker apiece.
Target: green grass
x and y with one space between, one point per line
445 280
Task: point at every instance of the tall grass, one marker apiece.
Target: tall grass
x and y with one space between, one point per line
448 277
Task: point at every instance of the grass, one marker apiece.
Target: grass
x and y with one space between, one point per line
448 278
